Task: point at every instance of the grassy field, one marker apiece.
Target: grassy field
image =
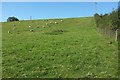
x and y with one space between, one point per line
70 49
0 50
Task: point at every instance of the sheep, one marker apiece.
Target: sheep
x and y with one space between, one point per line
9 31
61 20
43 26
50 22
29 26
31 30
56 23
46 24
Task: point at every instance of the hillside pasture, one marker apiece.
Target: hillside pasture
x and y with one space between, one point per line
70 49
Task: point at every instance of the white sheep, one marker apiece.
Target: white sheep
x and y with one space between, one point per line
56 23
43 26
61 20
50 22
46 23
29 26
31 30
9 31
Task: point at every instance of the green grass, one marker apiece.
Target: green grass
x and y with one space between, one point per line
1 50
70 49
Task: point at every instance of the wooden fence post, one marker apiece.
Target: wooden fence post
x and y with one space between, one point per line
116 35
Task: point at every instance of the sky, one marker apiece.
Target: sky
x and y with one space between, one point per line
46 10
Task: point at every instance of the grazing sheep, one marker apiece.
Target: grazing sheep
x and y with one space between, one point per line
9 32
50 22
46 24
61 20
43 26
29 26
31 30
56 23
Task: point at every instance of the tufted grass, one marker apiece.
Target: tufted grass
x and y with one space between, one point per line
70 49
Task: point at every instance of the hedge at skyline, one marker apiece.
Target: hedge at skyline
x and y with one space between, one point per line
109 21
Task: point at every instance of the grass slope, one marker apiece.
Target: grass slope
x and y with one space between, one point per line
1 50
72 48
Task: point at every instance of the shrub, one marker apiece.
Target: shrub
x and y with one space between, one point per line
10 19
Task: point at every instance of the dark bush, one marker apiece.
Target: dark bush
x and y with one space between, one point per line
10 19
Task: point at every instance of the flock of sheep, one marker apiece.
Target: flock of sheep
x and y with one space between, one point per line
30 27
